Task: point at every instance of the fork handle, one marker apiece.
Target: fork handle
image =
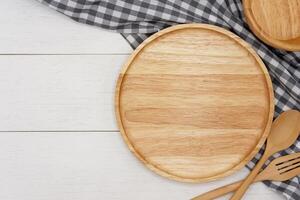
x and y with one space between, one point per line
218 192
250 178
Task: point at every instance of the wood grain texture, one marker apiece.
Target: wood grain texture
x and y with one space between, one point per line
276 22
281 169
194 103
284 132
71 165
90 166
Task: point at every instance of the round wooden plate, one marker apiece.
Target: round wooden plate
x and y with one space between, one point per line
194 102
276 22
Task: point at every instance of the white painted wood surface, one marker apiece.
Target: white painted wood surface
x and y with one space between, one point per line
58 92
28 27
58 135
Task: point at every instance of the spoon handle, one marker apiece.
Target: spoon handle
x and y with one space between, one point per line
250 178
218 191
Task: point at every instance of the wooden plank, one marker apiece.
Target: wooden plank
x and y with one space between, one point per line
70 92
91 166
58 92
28 27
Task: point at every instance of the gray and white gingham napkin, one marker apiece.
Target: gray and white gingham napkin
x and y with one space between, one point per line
138 19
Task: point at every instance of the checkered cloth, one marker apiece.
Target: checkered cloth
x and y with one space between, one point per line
138 19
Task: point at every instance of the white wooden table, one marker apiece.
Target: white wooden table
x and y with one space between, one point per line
59 139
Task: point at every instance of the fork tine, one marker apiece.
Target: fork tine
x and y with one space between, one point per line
287 175
290 168
286 158
288 163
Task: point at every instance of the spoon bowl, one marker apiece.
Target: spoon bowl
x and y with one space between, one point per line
284 132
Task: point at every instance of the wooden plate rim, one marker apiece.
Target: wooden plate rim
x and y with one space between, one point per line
289 45
165 173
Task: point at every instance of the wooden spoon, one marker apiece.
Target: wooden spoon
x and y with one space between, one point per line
280 169
284 131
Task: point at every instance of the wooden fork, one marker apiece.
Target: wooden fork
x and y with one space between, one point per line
280 169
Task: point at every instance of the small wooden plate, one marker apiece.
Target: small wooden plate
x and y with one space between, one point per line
276 22
194 102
